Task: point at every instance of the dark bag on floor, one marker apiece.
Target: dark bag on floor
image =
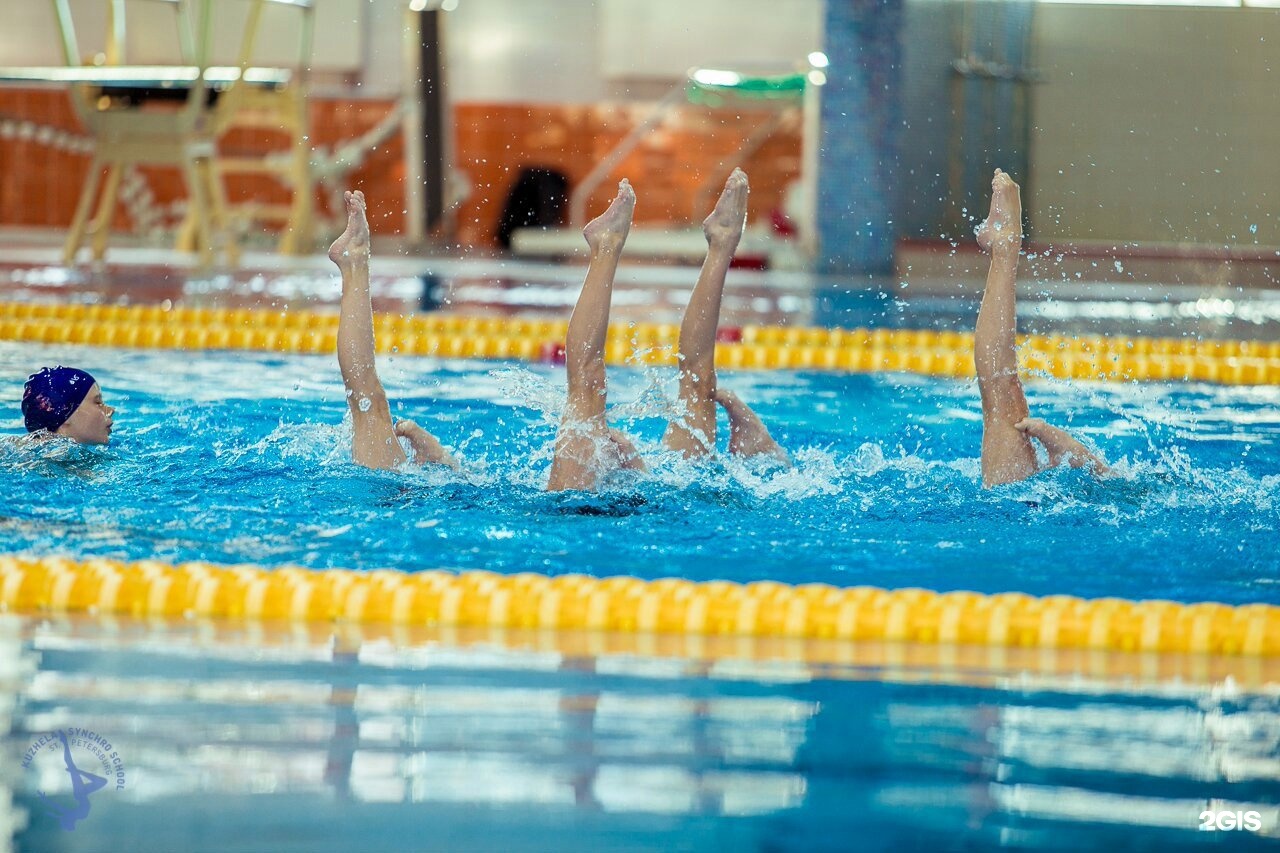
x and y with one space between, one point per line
538 198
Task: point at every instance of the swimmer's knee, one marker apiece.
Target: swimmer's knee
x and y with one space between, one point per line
369 401
1003 397
586 376
1006 382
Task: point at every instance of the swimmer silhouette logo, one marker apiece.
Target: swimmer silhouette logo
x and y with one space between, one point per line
77 752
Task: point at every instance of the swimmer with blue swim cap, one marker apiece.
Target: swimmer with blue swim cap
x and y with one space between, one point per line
66 402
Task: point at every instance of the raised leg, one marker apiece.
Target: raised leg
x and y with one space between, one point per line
584 448
694 434
374 443
1007 454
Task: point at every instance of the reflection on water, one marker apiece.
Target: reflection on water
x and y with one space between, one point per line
16 668
245 738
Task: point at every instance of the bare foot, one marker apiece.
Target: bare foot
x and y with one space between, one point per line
352 246
1002 229
748 435
729 217
608 231
1061 446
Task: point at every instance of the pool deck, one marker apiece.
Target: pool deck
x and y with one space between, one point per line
1166 292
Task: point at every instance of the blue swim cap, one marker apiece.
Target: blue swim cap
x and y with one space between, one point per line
52 395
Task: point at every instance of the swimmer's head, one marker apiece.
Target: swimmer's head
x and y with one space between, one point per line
67 402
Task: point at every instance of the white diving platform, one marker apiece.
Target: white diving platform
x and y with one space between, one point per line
683 245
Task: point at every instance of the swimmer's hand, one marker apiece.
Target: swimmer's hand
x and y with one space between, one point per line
426 447
628 456
748 435
1061 446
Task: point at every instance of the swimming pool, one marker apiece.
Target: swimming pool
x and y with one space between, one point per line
360 733
242 457
243 737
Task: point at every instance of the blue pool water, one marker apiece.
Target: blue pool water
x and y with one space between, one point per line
238 739
238 457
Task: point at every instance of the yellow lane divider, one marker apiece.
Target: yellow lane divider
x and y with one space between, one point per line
936 353
626 604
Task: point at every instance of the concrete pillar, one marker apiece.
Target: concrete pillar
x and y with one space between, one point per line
861 114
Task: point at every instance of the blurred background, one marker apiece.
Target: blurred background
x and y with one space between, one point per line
869 129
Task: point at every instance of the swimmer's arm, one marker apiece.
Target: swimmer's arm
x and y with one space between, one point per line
628 456
426 447
748 436
1061 446
30 439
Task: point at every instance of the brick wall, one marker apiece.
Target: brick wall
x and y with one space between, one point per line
494 141
39 186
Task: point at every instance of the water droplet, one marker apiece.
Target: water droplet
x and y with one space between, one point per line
365 404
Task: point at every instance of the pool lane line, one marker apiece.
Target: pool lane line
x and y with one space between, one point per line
927 352
628 604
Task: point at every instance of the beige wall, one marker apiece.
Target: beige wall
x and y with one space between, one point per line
1157 124
29 33
1154 124
585 51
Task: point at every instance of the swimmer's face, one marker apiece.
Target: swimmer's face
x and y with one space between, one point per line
90 423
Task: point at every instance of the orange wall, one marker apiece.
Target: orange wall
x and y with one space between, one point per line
39 186
667 169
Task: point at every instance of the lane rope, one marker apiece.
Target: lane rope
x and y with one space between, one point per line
149 588
922 351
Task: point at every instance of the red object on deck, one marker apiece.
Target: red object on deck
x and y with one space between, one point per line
729 335
552 352
781 223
